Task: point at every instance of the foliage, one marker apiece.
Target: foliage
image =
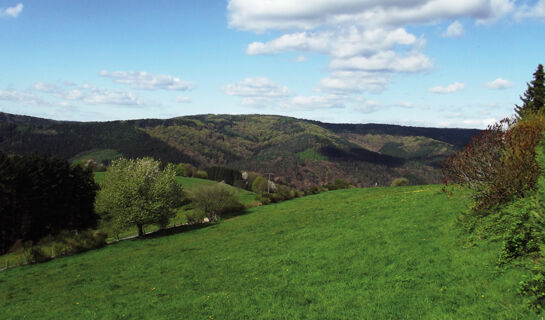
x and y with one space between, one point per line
533 99
186 170
216 200
41 196
260 185
338 184
137 192
201 174
246 142
499 164
400 182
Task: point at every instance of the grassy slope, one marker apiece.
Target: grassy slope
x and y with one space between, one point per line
383 253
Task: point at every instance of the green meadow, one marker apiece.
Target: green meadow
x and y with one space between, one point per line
377 253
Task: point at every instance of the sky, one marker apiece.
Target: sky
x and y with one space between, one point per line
435 63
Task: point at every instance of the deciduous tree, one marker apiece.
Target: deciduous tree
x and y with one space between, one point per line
137 192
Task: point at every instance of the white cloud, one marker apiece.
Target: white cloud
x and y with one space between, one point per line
313 102
262 15
12 12
21 97
301 58
499 84
454 30
352 82
182 99
261 92
90 94
256 87
146 81
451 88
386 61
537 11
346 42
46 87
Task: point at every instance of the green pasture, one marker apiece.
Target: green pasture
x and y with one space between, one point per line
377 253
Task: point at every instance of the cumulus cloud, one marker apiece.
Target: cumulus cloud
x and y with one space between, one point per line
262 15
256 87
23 97
358 35
301 58
451 88
499 84
90 94
353 82
338 43
261 92
146 81
454 30
46 87
537 11
387 61
11 12
313 102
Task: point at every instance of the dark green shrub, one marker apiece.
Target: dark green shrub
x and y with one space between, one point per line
216 200
400 182
200 174
534 289
260 185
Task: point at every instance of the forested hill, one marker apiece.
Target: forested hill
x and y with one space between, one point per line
298 152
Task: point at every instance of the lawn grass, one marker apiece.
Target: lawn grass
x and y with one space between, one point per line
377 253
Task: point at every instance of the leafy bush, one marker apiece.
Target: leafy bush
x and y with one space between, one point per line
400 182
185 170
201 174
338 184
260 185
499 164
534 289
216 200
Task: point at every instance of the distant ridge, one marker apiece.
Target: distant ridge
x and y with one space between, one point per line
299 152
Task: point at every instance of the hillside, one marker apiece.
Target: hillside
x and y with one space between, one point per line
376 253
298 152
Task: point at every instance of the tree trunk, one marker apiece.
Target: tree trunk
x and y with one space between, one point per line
140 230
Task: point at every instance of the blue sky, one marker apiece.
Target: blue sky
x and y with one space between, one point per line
414 62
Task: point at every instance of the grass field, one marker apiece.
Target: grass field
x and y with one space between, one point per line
380 253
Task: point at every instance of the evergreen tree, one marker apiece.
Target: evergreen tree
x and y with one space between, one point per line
533 99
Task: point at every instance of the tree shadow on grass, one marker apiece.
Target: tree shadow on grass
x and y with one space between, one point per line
176 230
234 214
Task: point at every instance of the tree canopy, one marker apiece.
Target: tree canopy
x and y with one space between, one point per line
41 196
137 192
